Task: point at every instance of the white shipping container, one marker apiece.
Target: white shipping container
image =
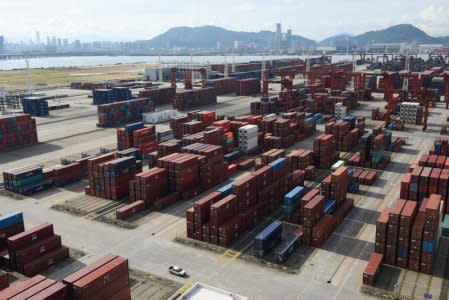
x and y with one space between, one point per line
249 144
159 116
270 117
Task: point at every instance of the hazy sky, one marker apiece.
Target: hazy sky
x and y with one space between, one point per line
143 19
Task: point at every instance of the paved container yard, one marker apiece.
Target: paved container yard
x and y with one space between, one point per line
333 272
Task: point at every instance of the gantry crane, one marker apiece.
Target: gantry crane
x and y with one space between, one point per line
187 76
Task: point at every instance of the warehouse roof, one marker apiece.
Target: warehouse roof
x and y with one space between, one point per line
201 291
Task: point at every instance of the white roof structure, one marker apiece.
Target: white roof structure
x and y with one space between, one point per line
201 291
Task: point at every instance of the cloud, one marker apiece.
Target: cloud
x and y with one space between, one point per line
247 7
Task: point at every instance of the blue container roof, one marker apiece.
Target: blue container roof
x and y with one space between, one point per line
296 192
268 230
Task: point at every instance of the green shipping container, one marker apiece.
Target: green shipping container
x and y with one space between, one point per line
445 231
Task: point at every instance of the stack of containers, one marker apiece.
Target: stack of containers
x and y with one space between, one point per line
36 249
35 106
266 240
393 232
365 148
10 225
168 147
431 233
102 96
339 185
411 113
66 174
381 232
377 153
313 211
213 170
292 199
246 87
177 125
341 129
199 227
123 112
416 237
17 129
222 85
120 93
106 278
193 98
340 111
325 150
138 136
160 96
109 176
412 234
248 138
407 216
225 221
149 185
26 181
164 135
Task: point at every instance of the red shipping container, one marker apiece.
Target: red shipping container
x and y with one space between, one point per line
130 209
372 269
90 284
57 291
321 231
18 287
5 233
32 252
4 280
46 261
223 210
34 289
202 206
72 278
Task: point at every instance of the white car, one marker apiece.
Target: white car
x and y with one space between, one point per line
178 271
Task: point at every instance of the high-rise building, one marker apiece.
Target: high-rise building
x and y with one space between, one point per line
48 40
288 39
278 36
2 43
65 43
53 41
38 37
59 43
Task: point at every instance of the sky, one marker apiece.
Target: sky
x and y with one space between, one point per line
129 20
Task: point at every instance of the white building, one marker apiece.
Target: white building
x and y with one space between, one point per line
201 291
427 48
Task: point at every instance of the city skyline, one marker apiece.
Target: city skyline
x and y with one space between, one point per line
141 20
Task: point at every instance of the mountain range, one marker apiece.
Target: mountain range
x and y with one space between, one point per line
207 37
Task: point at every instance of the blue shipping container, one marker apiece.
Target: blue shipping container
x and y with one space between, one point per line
284 250
11 220
329 206
278 164
293 196
225 190
134 126
427 246
267 239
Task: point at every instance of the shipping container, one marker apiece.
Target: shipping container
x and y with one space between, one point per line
267 239
285 248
